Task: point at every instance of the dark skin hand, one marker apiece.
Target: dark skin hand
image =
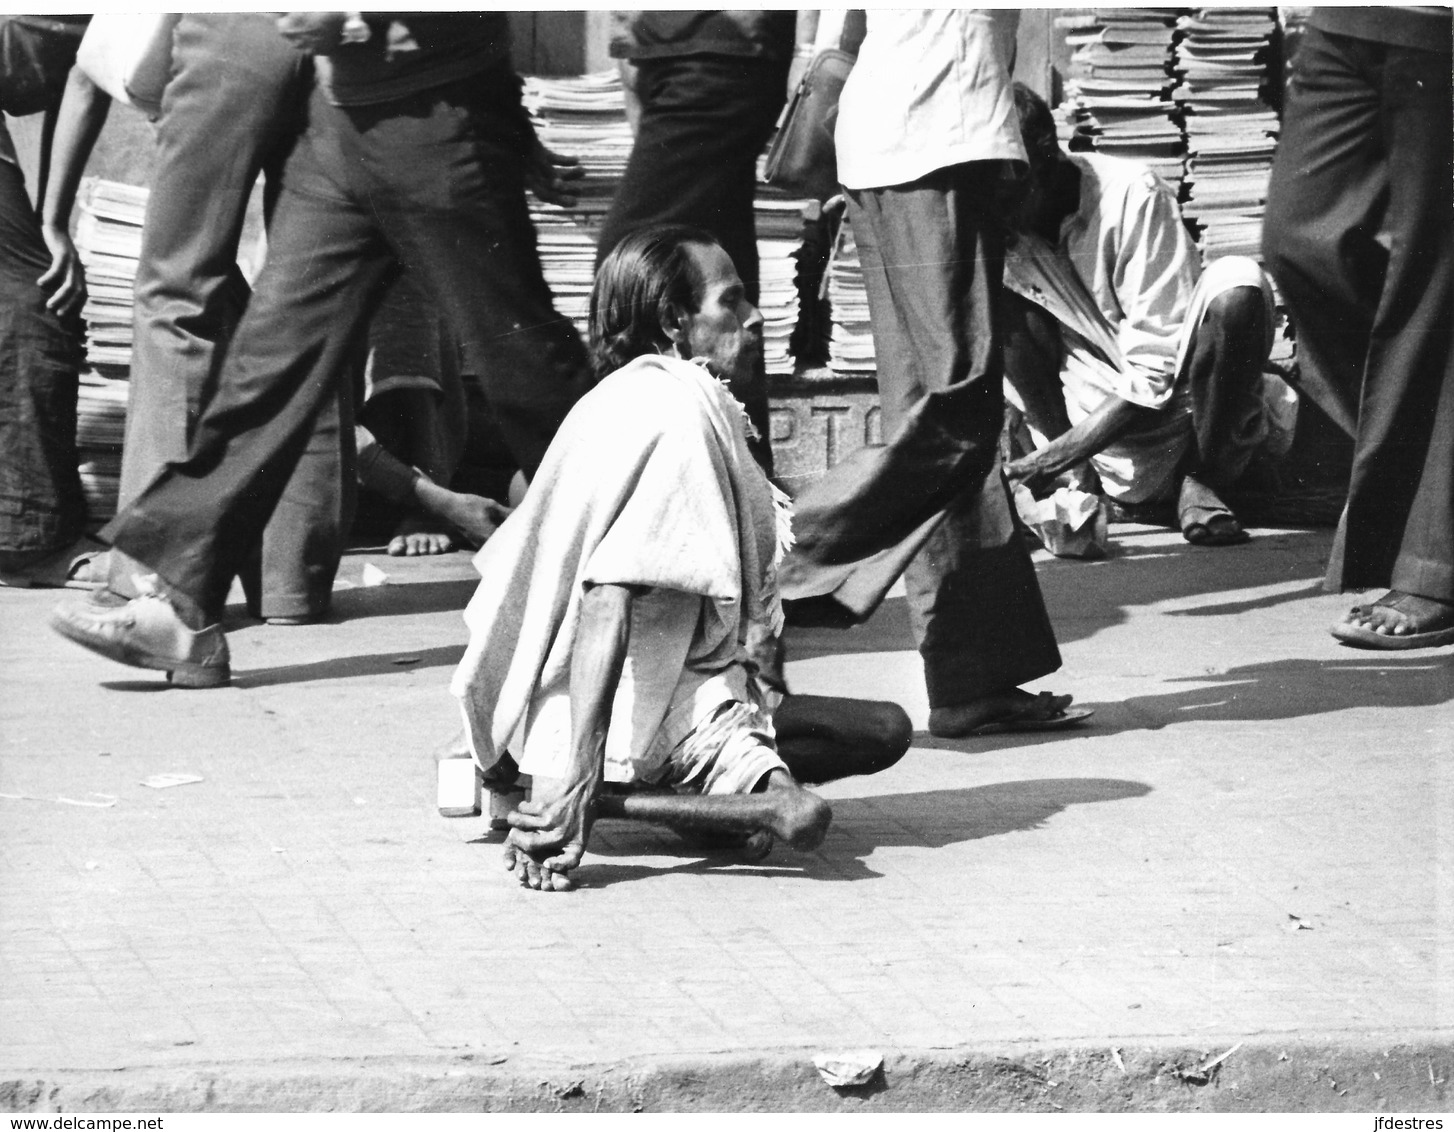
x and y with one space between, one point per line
547 838
79 120
1112 420
549 175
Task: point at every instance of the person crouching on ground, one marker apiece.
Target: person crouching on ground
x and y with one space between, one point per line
1128 355
625 609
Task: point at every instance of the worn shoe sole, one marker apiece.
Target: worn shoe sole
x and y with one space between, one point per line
180 674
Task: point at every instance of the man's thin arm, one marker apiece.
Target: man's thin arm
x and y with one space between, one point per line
549 835
83 112
1115 417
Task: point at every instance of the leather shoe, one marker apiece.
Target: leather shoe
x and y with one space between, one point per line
147 633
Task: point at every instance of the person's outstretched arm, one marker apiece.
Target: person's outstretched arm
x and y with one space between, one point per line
82 113
548 836
1112 420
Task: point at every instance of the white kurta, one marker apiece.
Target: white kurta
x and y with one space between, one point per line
1126 284
930 89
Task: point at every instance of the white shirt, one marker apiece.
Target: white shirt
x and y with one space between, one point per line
931 89
1130 248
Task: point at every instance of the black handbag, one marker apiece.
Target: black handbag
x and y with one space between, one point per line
802 159
36 53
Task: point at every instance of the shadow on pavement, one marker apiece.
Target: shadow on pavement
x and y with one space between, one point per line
928 820
1084 597
1288 689
1232 608
1005 740
389 600
338 668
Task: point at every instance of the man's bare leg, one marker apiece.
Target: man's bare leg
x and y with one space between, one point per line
824 738
782 809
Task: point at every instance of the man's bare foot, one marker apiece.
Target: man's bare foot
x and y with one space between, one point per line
802 818
82 565
1398 620
417 536
1014 706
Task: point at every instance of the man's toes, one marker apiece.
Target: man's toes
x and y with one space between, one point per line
398 546
1057 704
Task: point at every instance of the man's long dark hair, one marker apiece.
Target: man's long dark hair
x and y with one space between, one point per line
646 278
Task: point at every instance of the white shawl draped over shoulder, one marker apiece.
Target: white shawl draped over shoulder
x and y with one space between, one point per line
649 482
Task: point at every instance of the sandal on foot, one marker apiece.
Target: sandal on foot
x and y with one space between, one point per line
1044 712
80 566
1433 633
1204 519
1221 529
1067 718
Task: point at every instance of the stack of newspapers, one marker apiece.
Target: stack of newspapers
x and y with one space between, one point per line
585 117
850 338
108 239
780 219
1231 132
1118 88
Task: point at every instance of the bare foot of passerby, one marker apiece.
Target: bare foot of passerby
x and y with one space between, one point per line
1398 620
417 535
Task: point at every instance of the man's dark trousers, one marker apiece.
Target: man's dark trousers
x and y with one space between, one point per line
233 108
434 181
41 505
1358 236
705 120
931 502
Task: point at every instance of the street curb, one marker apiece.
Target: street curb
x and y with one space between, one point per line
1356 1073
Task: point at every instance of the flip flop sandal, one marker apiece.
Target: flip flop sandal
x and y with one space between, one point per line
1360 638
1068 718
81 570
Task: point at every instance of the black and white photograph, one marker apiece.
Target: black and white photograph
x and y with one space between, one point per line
848 562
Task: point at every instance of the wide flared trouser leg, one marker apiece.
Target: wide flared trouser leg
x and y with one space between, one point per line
932 260
232 110
703 113
197 524
1358 237
446 187
42 508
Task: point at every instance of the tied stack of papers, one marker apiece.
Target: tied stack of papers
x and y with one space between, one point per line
582 117
1231 132
780 219
108 239
1119 84
850 339
585 117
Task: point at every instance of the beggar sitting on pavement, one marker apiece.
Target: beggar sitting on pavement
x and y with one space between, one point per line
624 630
1126 353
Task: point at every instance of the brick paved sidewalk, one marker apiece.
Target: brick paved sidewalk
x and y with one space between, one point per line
1253 843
